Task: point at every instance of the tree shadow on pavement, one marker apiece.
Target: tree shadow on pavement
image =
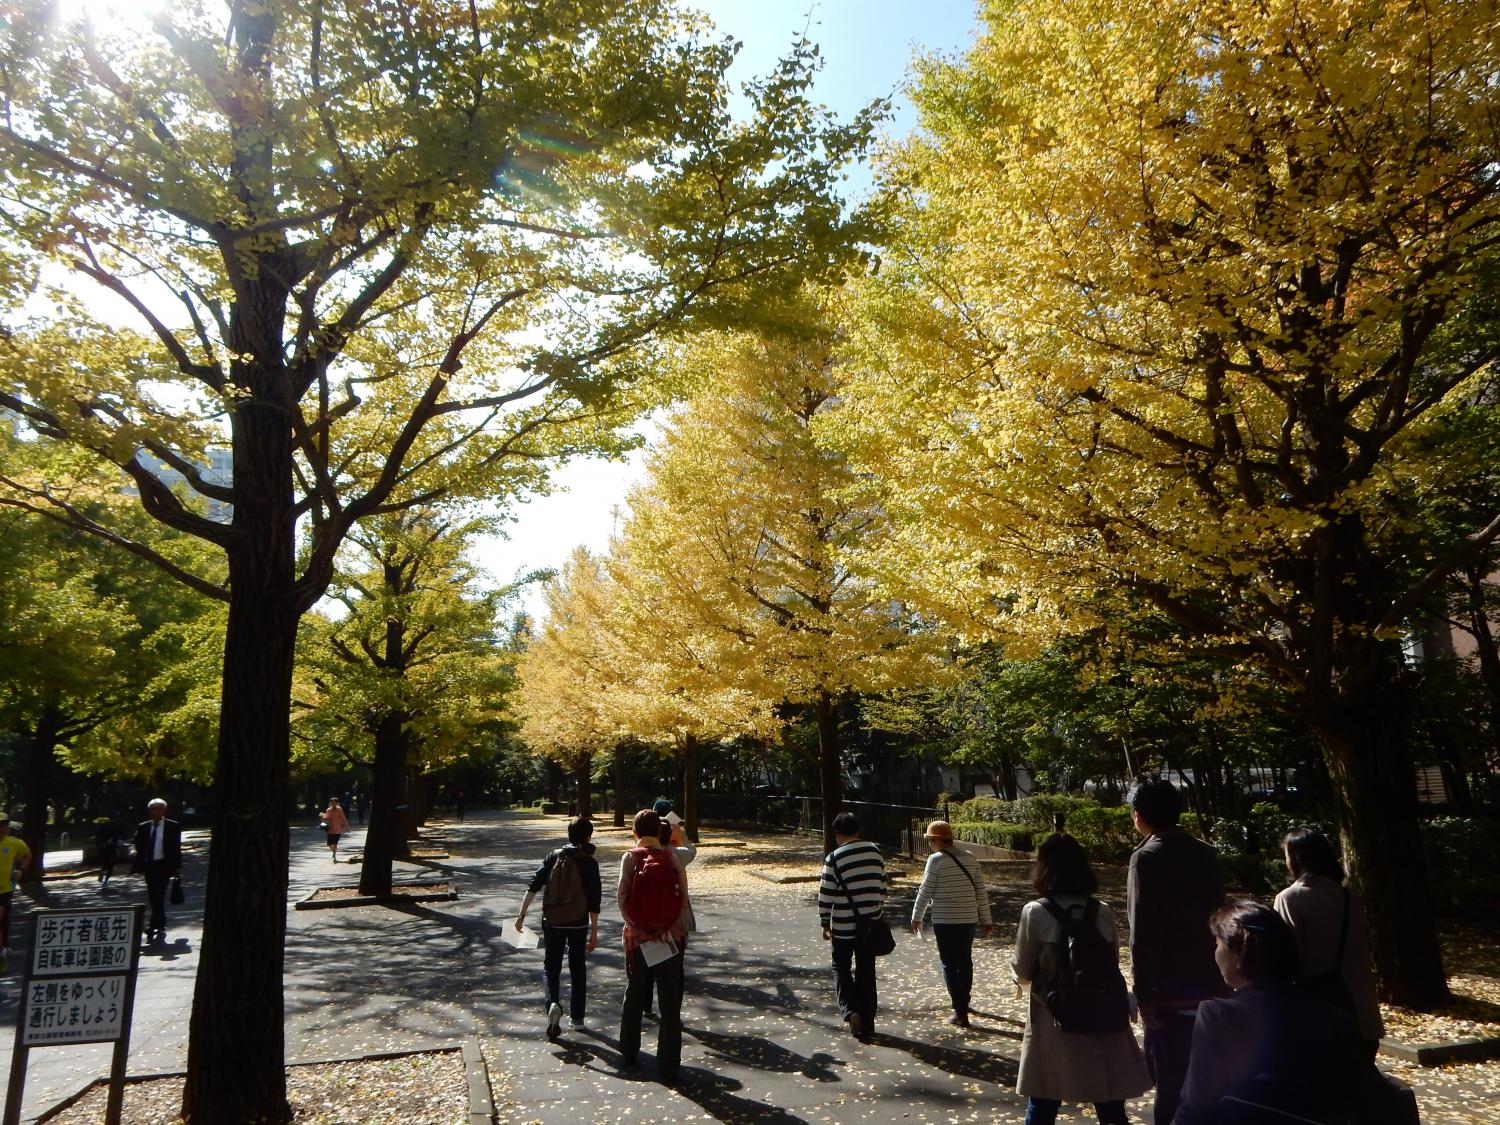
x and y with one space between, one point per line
985 1066
761 1054
782 999
713 1093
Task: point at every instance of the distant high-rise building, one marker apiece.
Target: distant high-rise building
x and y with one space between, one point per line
219 470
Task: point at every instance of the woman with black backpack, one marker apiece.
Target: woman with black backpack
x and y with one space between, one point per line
1078 1045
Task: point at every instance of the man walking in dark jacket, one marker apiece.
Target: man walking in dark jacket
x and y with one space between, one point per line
570 920
1174 886
158 856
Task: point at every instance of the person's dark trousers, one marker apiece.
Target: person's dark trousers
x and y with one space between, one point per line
955 943
854 982
682 975
667 977
1167 1050
1043 1111
575 940
157 878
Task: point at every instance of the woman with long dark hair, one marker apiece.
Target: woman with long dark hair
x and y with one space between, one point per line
1058 1065
1328 921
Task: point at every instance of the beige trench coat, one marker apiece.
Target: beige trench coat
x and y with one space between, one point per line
1063 1065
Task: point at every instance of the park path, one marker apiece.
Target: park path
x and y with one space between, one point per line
762 1039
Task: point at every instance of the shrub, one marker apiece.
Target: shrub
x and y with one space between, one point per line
1106 833
1018 837
1461 873
982 809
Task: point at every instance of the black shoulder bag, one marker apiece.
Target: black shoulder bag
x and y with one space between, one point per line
872 933
1329 987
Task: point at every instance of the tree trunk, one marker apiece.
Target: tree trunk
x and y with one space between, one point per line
1364 740
620 775
236 1049
830 767
583 785
554 782
37 791
384 838
411 802
690 783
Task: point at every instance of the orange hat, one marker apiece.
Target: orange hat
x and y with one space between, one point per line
939 830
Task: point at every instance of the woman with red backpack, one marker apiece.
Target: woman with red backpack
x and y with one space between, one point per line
653 900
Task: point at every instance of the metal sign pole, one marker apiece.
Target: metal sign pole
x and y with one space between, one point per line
78 987
116 1105
21 1052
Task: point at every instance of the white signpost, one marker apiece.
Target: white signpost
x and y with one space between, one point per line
79 987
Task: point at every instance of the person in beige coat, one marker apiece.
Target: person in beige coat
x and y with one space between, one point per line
1060 1066
1316 906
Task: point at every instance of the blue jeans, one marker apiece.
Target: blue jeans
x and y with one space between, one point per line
955 943
576 941
1043 1111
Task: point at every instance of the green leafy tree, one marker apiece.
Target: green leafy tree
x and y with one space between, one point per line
339 227
411 676
92 671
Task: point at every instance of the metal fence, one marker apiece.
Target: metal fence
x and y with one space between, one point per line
896 827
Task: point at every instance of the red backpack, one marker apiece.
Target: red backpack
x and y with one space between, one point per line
655 892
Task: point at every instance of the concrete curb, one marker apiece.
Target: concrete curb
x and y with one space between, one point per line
481 1097
476 1075
368 900
1440 1054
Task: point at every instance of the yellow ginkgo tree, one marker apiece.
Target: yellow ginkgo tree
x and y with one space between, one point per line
1178 306
738 545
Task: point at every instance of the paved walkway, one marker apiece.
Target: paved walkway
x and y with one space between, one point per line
762 1042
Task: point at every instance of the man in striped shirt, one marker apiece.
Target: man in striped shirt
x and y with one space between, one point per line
954 885
853 876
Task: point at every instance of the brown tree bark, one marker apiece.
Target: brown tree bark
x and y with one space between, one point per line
36 791
236 1047
1363 734
830 765
620 795
385 837
690 783
583 785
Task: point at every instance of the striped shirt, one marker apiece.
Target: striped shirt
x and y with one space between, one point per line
956 893
863 870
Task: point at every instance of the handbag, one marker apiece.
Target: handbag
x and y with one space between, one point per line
872 934
177 893
1329 987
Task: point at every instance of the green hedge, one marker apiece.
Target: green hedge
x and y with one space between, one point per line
1462 877
996 834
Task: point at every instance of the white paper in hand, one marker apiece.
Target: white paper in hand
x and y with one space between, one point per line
655 952
522 939
673 819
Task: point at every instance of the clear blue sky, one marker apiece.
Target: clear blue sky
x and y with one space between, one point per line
867 47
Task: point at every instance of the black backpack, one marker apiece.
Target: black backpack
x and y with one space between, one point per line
563 901
1087 994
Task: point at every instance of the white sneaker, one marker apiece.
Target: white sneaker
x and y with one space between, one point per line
554 1021
578 1025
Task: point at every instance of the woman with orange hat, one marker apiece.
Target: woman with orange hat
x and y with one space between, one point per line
953 886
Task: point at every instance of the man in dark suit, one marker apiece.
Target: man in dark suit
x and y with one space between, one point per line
1174 887
158 856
